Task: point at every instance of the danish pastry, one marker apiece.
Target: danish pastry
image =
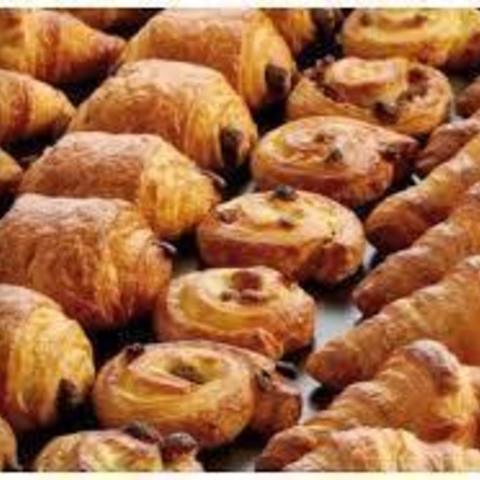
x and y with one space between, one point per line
248 50
468 101
348 160
46 365
8 447
111 18
210 390
301 234
191 106
95 257
168 189
255 308
10 174
405 96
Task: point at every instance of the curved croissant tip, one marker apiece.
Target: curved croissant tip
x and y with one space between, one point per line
231 144
278 79
178 444
143 431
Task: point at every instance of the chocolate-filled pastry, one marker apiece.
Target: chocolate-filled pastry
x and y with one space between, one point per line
303 235
30 108
134 448
468 101
405 96
351 161
95 257
55 47
111 18
8 447
10 174
255 308
242 44
46 361
190 106
169 190
434 36
212 391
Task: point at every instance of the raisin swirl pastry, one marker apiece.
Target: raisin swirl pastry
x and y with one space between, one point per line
8 447
190 106
437 37
248 49
95 257
46 361
407 97
10 174
350 161
301 234
168 189
255 308
212 391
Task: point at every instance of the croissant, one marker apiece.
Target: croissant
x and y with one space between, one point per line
135 448
111 18
403 217
468 101
303 235
168 189
405 96
438 37
30 108
10 174
421 387
348 160
8 447
55 47
255 308
46 365
191 106
210 390
95 257
249 51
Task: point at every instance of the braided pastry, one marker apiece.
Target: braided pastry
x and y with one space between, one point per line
8 447
168 189
210 390
10 174
111 18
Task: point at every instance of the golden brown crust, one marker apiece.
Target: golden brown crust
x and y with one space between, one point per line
95 257
10 174
111 18
348 160
468 101
405 96
168 189
301 234
247 46
254 308
210 390
8 447
190 106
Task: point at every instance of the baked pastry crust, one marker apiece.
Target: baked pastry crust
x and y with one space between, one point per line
168 189
351 161
95 257
301 234
111 18
8 447
190 106
255 308
468 101
10 174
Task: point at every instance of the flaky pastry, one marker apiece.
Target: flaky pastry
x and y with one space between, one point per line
468 100
8 447
10 174
111 18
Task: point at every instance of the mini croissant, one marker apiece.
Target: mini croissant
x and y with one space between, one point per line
10 174
8 447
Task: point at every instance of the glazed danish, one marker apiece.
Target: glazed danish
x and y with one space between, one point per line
46 362
210 390
301 234
248 50
8 447
350 161
95 257
10 174
407 97
190 106
254 308
168 189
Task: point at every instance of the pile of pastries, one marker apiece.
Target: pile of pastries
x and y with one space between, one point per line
143 127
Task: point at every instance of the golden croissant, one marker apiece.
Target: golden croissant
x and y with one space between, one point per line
212 391
405 96
350 161
242 44
421 388
95 257
255 308
10 174
46 365
111 18
168 189
434 36
8 447
190 106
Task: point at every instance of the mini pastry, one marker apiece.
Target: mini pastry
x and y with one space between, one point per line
95 257
303 235
190 106
350 161
168 189
468 101
8 448
210 390
404 96
46 366
111 18
248 50
255 308
10 174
